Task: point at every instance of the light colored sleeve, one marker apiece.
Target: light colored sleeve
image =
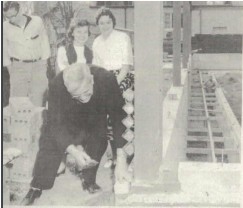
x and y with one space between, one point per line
6 57
62 61
45 45
96 60
127 55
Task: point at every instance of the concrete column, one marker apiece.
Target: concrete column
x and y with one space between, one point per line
176 43
186 32
148 89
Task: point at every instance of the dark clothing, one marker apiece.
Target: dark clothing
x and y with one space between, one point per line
72 122
6 86
72 55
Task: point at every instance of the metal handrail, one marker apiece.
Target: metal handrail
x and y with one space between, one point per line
208 122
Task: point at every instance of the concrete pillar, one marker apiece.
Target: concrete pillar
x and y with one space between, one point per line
176 43
186 32
148 89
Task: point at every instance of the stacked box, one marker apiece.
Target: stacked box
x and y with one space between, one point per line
6 128
26 124
6 120
23 168
20 106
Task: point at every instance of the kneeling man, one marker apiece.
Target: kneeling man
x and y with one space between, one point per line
80 98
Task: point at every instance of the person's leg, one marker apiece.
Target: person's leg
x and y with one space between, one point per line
20 78
44 173
47 163
109 150
39 84
95 148
113 149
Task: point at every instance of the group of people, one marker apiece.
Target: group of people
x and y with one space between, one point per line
87 90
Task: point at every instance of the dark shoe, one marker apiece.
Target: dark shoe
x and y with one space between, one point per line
91 188
31 196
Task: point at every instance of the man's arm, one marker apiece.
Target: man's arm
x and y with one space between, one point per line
127 58
45 45
57 121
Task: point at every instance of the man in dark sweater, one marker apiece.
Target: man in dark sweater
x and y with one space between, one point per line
80 98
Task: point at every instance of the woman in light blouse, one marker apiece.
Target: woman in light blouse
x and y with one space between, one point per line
112 49
75 51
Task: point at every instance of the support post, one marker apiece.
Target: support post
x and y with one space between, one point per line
176 43
186 32
148 89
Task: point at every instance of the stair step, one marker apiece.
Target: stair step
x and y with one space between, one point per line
201 103
205 139
201 98
204 132
191 150
200 94
203 129
201 118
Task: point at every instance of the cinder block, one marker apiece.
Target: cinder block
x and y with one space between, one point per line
23 168
6 128
6 120
26 142
37 120
26 132
20 106
6 140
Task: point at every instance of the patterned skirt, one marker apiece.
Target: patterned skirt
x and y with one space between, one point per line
127 82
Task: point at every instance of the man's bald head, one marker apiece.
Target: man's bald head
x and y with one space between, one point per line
79 81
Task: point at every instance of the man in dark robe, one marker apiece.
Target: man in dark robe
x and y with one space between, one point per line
80 98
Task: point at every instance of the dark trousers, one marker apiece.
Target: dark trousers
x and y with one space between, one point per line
49 158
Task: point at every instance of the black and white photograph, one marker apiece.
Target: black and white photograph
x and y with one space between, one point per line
122 103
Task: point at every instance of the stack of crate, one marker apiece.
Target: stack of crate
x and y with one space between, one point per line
6 128
25 125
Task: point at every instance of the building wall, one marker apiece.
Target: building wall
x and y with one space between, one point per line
225 61
217 20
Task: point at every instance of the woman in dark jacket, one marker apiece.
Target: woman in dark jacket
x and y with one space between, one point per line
75 51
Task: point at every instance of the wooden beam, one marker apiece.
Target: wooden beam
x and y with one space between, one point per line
186 32
176 43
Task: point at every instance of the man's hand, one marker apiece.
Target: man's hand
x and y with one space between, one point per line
82 159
